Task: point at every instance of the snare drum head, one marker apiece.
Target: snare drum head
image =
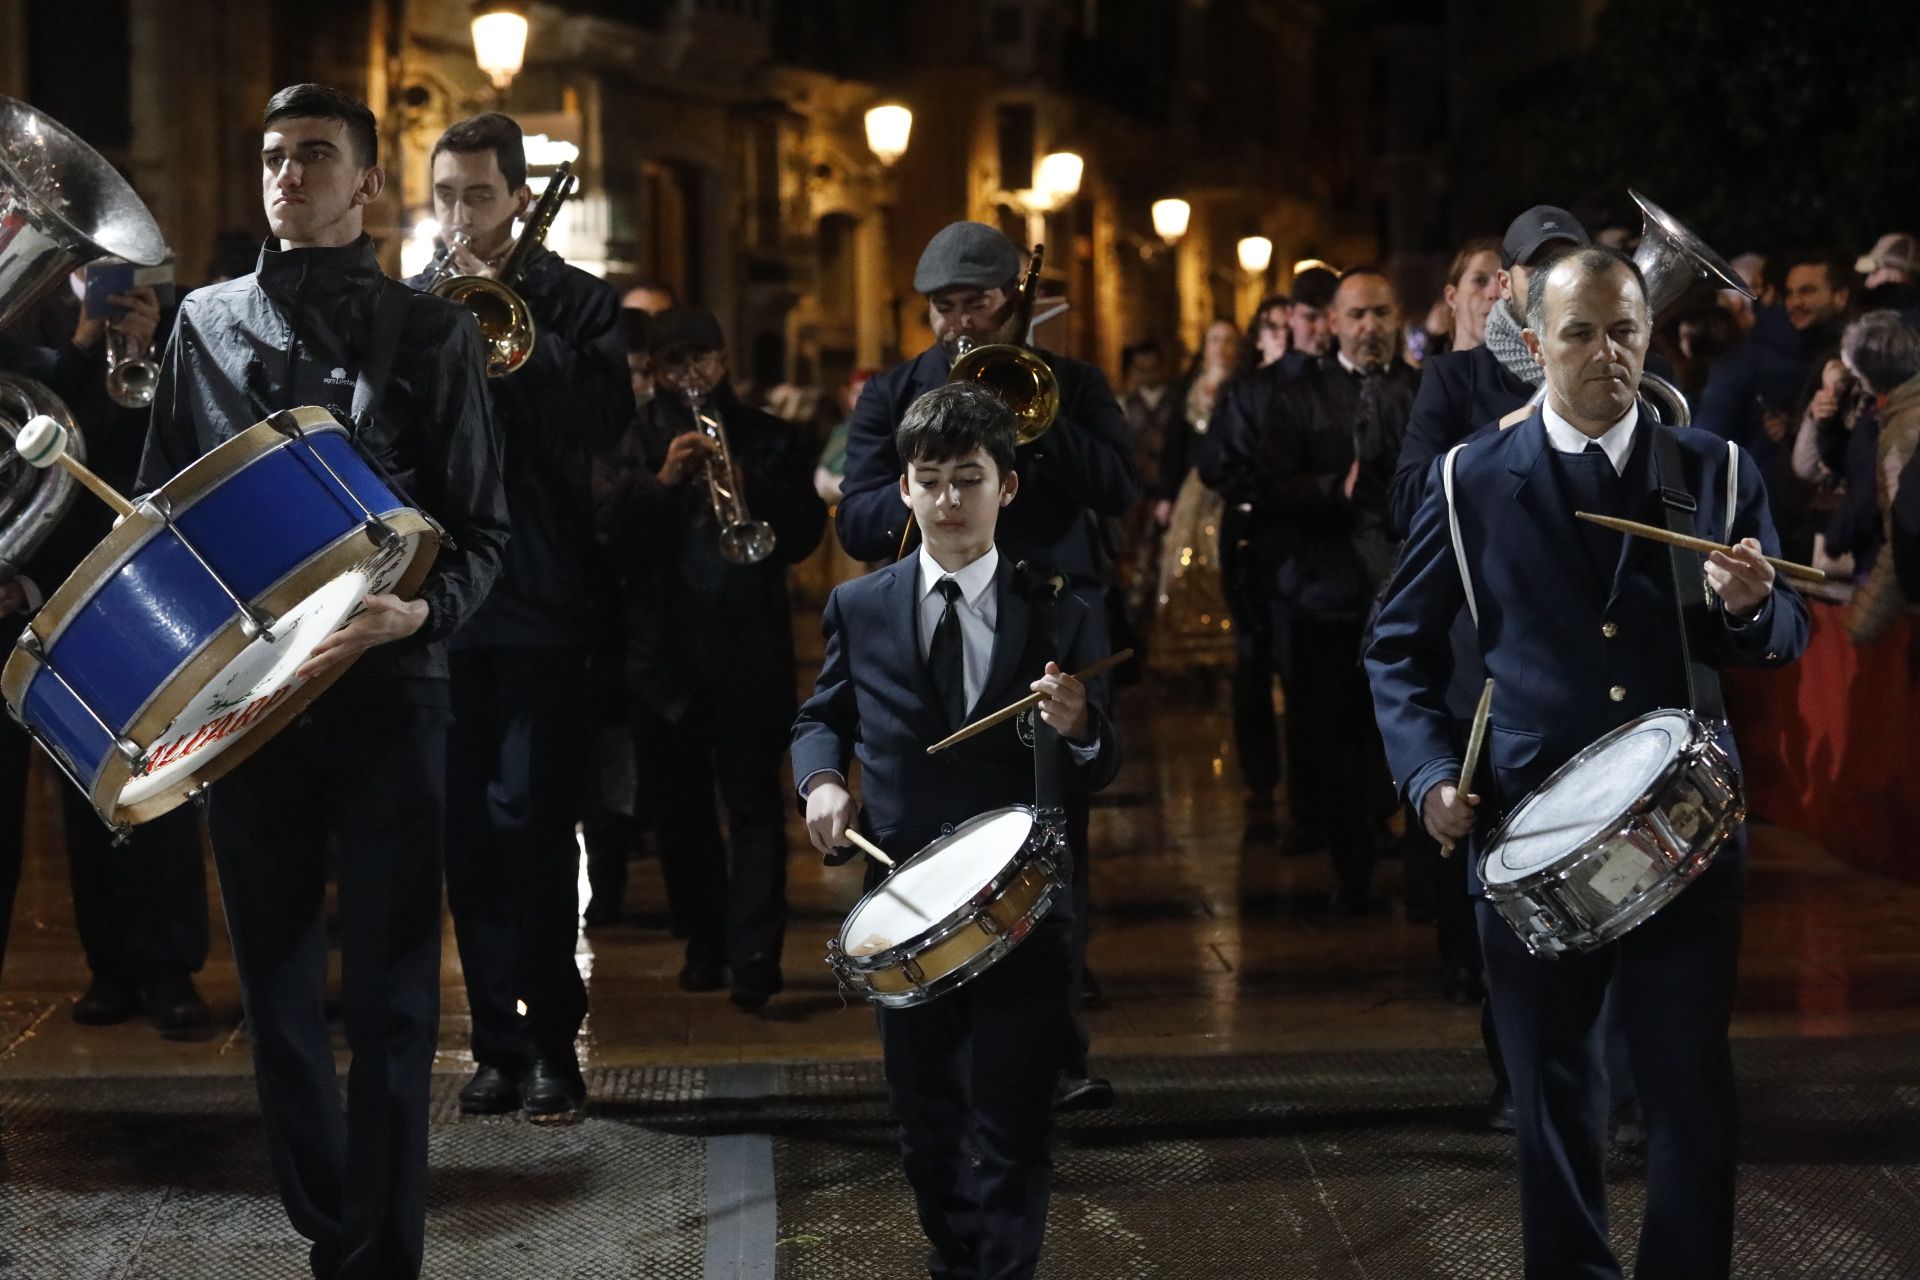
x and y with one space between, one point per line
936 882
1590 794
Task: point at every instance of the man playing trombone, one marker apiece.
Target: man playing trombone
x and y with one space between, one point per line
519 666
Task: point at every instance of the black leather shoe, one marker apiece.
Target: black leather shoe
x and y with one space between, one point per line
107 1002
1500 1110
702 975
1082 1093
175 1006
553 1088
491 1092
755 984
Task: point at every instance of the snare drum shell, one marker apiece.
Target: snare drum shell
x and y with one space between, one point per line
1567 905
968 940
141 626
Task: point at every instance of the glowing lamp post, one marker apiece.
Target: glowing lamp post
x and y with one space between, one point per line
1256 254
500 39
1171 218
888 128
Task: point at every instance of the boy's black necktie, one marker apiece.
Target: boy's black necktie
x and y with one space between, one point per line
946 656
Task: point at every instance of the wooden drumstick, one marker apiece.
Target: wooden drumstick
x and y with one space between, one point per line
1031 700
43 443
1476 743
869 848
1657 534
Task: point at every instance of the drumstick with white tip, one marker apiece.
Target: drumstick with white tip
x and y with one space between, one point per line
1476 742
43 443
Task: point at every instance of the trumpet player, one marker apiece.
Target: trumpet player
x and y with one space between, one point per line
519 665
702 506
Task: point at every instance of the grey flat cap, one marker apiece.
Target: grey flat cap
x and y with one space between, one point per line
966 253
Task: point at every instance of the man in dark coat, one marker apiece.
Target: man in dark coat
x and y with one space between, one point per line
1227 466
1581 630
139 906
710 645
517 753
358 783
1326 453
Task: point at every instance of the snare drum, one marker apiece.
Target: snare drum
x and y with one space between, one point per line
1614 834
168 657
951 911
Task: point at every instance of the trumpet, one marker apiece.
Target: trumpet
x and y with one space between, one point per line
1010 369
743 540
132 376
505 320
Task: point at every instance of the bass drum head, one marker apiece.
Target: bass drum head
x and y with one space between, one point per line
936 882
254 693
1589 795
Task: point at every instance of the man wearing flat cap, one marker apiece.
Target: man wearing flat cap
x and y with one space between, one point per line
1082 468
710 649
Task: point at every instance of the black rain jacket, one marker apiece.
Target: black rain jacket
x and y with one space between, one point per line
292 334
569 401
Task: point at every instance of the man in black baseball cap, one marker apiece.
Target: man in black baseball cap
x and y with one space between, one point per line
1462 391
1081 468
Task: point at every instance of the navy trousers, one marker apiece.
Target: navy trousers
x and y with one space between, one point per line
971 1077
1672 984
365 785
516 782
140 907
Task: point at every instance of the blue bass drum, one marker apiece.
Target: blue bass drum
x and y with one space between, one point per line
169 656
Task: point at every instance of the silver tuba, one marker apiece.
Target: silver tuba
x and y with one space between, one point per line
61 205
1677 265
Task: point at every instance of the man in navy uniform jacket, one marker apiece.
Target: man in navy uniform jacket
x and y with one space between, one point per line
1579 628
913 652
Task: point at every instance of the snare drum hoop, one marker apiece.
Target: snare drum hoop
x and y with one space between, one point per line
1038 841
207 472
1607 829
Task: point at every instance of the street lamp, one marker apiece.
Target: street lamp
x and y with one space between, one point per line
1256 254
500 39
1170 219
888 128
1057 180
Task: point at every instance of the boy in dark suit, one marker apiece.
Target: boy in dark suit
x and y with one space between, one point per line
913 652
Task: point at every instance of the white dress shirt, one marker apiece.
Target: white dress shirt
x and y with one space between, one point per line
979 610
1616 440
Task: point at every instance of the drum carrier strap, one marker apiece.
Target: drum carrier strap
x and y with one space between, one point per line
1693 601
1692 598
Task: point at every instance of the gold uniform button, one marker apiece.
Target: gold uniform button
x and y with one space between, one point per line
1618 693
1610 630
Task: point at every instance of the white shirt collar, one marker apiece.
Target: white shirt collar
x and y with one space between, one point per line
1347 364
974 579
1616 441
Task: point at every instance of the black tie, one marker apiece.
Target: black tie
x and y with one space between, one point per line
946 656
1593 446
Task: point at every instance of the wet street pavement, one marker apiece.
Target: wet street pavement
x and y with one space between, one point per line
1296 1097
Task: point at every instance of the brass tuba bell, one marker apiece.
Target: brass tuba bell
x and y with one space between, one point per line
1010 369
1677 265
